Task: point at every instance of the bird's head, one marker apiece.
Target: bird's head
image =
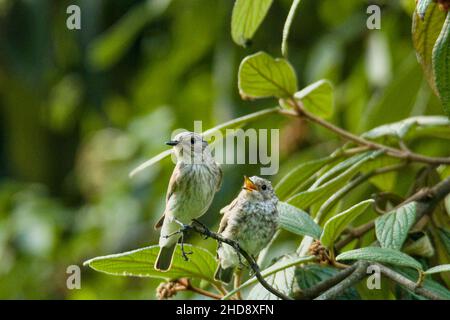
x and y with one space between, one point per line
190 147
259 188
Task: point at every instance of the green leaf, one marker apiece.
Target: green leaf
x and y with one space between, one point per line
305 199
108 48
280 276
140 263
287 27
271 274
246 18
422 6
438 269
233 124
299 174
444 236
441 65
409 81
393 227
311 274
334 227
383 255
412 127
317 98
297 221
337 169
421 247
384 181
262 76
425 32
428 283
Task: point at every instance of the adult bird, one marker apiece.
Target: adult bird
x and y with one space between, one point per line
251 219
194 182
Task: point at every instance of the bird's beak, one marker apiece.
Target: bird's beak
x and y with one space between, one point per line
172 143
248 184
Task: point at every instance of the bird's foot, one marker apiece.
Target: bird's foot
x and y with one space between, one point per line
170 235
184 253
184 227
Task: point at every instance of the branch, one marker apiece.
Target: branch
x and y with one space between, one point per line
205 293
355 233
405 282
431 197
397 153
167 290
356 276
251 261
350 186
313 292
427 200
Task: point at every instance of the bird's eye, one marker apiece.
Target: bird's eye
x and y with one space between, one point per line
192 140
264 187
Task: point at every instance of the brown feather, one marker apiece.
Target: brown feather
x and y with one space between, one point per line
160 222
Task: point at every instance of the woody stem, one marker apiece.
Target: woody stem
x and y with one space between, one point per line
299 111
251 261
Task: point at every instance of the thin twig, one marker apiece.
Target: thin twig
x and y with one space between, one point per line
397 153
405 282
357 275
432 196
251 261
355 233
202 292
313 292
350 186
427 200
220 288
237 282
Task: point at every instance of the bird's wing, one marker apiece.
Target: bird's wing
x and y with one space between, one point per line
222 226
174 182
171 189
160 222
229 207
223 223
219 182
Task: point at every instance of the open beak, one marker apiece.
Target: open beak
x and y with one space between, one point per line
248 184
172 143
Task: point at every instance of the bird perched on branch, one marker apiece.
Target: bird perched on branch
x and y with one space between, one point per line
251 219
194 182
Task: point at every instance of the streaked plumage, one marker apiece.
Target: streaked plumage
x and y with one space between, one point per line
251 219
194 182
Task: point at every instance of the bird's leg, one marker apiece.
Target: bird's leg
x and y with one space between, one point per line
183 252
237 249
183 230
170 235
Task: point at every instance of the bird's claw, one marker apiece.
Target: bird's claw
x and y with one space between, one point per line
184 253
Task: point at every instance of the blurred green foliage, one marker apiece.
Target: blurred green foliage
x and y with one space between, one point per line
80 108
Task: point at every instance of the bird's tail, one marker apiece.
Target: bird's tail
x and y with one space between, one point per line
224 275
165 257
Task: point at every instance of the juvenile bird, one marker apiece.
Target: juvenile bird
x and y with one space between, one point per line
251 219
195 180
